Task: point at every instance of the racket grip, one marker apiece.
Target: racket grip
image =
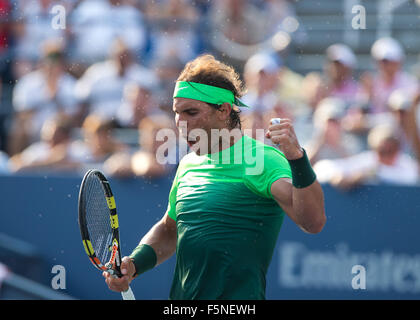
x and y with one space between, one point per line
128 295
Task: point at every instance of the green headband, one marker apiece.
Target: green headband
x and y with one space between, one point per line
206 93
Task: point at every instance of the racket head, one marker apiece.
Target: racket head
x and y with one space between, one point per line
98 222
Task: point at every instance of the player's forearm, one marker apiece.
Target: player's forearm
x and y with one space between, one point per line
308 207
307 196
156 246
162 238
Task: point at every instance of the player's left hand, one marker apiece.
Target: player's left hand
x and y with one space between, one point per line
283 135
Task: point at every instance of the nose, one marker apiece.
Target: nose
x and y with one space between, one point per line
177 120
182 126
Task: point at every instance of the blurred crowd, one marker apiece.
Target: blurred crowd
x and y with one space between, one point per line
96 92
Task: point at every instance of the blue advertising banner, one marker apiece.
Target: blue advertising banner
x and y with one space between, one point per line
368 249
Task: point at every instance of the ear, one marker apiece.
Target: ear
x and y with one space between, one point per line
224 111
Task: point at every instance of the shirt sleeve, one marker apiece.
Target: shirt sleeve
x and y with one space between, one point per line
275 167
171 209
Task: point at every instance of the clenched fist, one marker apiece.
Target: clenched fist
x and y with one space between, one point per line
283 135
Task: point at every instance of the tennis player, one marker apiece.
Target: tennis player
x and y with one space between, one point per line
223 219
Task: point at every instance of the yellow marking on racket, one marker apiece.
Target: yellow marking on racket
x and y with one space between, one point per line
111 202
114 221
88 247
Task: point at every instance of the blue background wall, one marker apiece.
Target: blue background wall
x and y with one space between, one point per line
376 227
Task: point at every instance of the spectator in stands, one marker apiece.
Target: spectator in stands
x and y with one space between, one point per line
313 90
403 113
329 139
40 95
32 28
389 57
139 101
372 104
98 142
262 77
271 90
167 71
95 24
173 33
6 28
238 28
266 71
383 163
100 90
155 158
52 152
406 112
6 76
280 15
339 82
233 17
336 81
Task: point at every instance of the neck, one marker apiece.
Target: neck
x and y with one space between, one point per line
389 77
226 138
339 82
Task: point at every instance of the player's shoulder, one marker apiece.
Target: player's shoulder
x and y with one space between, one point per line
189 159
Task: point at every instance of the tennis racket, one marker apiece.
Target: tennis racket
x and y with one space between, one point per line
98 222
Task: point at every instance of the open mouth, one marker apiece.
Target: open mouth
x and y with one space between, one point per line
191 141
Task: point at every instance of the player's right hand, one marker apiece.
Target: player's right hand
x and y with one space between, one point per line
121 284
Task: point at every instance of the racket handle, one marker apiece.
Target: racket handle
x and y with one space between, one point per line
128 295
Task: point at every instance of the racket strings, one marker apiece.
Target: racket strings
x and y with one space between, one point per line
97 219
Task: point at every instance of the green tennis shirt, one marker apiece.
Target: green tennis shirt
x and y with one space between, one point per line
227 221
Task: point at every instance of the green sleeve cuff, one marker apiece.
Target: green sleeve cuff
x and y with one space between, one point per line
144 258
